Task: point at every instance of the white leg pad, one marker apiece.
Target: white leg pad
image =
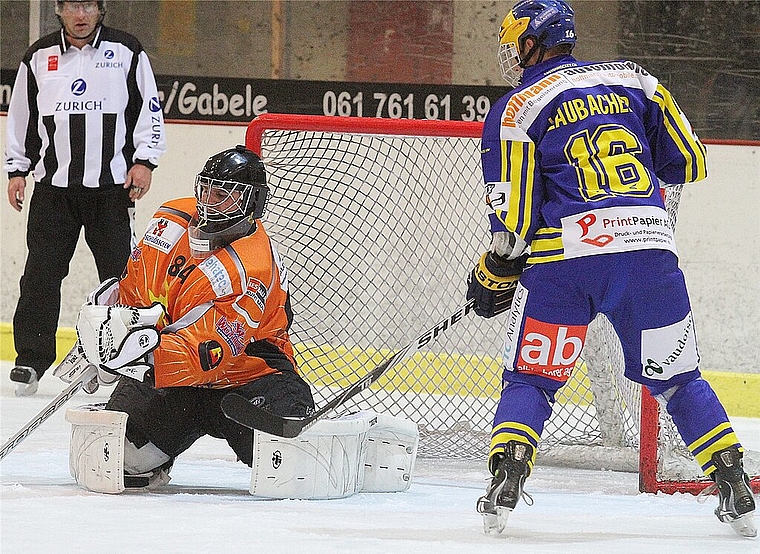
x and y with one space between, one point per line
96 452
391 453
325 461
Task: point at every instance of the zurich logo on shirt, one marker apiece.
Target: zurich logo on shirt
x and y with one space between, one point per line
108 54
154 104
78 87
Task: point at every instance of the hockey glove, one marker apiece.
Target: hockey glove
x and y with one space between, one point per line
118 339
105 294
492 283
72 366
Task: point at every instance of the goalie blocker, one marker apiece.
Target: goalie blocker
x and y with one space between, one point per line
335 458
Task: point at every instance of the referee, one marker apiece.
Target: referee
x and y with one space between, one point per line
85 120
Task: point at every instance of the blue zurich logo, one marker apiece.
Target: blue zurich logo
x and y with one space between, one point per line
154 104
78 87
108 54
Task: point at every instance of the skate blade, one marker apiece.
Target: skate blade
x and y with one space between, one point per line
27 389
494 524
745 526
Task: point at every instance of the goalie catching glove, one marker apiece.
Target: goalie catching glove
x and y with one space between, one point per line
105 294
117 339
493 282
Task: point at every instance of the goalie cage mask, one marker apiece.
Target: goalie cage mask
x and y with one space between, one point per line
230 193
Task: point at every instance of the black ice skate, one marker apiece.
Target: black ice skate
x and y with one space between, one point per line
736 505
510 470
25 379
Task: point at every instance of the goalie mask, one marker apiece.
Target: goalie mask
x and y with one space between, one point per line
230 193
549 22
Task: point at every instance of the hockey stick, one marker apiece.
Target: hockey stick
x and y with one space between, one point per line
77 382
240 410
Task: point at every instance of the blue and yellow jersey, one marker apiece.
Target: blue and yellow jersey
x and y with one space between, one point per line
573 159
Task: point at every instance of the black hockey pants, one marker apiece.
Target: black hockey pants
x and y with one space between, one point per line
173 418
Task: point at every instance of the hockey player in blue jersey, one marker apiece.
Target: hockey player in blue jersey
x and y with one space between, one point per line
573 159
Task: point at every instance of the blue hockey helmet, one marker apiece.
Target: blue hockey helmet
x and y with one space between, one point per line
550 22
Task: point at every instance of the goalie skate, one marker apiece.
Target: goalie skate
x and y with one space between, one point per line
506 488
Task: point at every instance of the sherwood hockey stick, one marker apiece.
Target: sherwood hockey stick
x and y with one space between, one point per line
240 410
71 367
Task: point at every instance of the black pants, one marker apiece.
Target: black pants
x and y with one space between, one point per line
56 217
174 418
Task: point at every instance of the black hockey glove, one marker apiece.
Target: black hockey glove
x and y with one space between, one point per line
492 283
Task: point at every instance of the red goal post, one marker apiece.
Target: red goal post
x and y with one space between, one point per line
358 125
379 222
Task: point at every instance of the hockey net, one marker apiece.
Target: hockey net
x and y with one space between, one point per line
380 222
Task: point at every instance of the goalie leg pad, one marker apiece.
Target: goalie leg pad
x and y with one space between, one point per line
391 452
325 461
96 450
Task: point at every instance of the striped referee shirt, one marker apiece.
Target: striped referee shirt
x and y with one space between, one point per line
83 117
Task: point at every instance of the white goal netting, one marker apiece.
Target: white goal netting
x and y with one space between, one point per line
379 228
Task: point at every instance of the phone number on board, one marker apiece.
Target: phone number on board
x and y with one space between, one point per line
398 106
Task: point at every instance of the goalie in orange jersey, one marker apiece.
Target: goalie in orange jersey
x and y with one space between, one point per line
202 308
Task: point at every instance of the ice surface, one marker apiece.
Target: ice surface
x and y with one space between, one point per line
206 507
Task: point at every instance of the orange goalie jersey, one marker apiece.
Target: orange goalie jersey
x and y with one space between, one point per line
228 314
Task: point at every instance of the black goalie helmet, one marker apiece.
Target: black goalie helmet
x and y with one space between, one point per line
231 194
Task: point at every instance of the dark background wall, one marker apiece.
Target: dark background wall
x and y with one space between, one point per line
706 52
